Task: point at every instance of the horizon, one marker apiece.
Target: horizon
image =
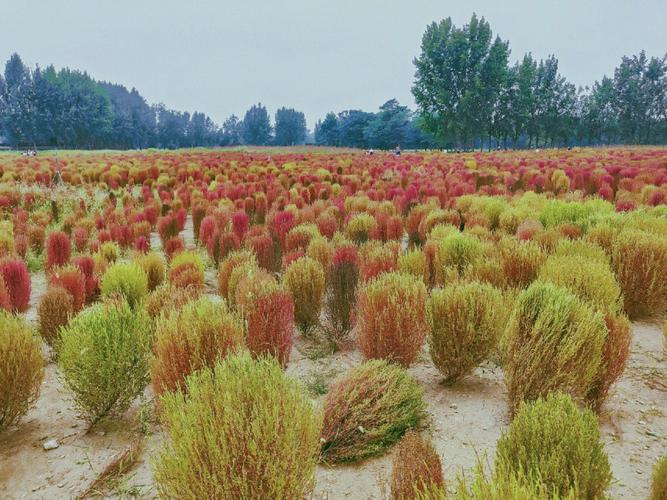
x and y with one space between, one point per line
292 37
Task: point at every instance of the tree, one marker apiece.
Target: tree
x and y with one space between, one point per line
256 126
290 127
326 132
232 129
390 127
458 80
351 126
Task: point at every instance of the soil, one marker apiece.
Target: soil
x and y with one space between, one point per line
466 419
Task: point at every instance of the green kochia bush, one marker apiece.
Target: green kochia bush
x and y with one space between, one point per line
245 430
659 482
553 341
553 441
368 410
103 357
125 279
21 368
466 323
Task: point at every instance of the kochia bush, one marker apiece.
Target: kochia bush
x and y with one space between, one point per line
416 468
190 338
341 290
73 280
553 341
17 281
466 324
304 279
21 368
103 357
368 410
553 441
244 430
391 318
270 324
57 249
186 269
53 312
127 280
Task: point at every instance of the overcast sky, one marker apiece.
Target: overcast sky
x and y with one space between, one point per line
220 57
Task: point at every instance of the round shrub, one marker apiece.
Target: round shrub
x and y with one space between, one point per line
304 279
553 441
166 298
227 266
86 265
15 274
249 286
360 228
520 261
591 280
368 410
54 310
341 290
153 266
554 341
391 318
457 251
71 279
21 368
245 430
103 357
190 338
414 262
466 324
127 280
377 260
186 269
639 260
57 249
416 468
270 324
659 481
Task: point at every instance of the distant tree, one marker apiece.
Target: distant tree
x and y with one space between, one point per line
171 129
232 129
134 120
390 127
290 128
256 128
17 102
201 131
326 131
351 126
459 77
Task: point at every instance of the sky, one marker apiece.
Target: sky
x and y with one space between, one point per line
220 57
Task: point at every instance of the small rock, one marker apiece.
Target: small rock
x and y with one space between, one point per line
51 444
453 406
101 433
641 422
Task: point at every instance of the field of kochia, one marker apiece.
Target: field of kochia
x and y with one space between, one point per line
189 284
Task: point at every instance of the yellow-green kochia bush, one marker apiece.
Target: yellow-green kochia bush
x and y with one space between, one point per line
190 338
103 357
639 260
21 368
391 318
360 228
305 281
368 410
127 280
552 441
457 252
244 430
553 341
659 480
466 323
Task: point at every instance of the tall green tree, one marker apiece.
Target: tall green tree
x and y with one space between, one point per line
256 126
326 131
290 128
459 76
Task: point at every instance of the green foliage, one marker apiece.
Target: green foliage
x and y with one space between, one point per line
103 357
368 410
245 430
127 280
466 323
659 482
360 228
21 368
553 341
552 441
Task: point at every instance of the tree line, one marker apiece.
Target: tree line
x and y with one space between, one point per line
468 95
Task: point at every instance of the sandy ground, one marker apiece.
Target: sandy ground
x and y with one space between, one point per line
465 422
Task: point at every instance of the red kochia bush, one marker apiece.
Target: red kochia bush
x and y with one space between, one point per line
73 280
17 280
392 318
270 323
206 229
57 249
86 265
